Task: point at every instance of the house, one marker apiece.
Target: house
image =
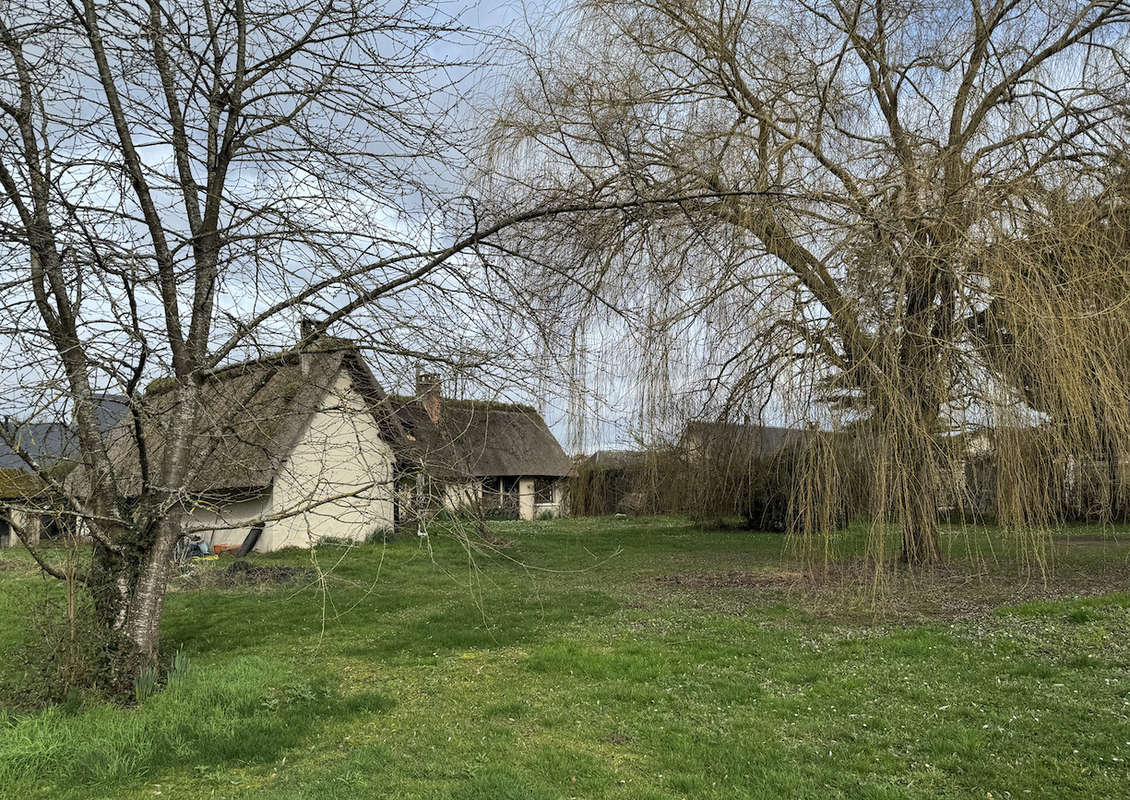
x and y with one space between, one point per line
736 443
1003 472
296 447
499 456
26 499
289 450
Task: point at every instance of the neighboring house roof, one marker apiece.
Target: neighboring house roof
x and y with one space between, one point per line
252 415
615 460
51 445
46 442
477 439
109 410
734 439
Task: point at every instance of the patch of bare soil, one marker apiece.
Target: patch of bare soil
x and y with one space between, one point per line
732 580
894 593
245 574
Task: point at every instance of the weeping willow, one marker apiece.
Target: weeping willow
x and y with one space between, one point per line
900 228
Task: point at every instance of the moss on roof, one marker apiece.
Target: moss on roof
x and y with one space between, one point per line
476 438
473 405
23 484
251 415
18 483
325 344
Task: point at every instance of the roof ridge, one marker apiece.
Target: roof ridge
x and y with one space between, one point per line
470 402
329 345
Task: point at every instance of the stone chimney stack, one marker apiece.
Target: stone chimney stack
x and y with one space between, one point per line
429 391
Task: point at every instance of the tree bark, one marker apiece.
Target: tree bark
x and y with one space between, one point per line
143 619
919 488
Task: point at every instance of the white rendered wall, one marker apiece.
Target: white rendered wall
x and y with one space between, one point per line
337 481
229 523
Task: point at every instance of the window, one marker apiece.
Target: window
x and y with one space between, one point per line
492 492
543 491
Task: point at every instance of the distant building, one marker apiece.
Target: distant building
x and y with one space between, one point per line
301 446
736 443
500 456
26 500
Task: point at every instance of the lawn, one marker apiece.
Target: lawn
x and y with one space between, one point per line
613 659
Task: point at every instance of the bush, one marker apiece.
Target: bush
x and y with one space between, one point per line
501 513
379 535
630 482
337 541
813 484
65 657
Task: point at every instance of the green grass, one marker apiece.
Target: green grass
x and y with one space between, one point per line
572 664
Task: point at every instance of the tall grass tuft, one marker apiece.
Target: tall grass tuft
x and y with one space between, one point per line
146 683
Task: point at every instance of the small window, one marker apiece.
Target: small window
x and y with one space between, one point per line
543 491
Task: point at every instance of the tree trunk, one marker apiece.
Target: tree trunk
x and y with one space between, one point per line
928 321
919 488
920 531
142 626
128 593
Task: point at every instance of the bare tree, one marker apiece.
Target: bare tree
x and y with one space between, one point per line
182 182
869 173
179 180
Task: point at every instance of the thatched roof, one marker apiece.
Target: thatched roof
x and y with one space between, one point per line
252 415
477 439
19 484
737 441
613 460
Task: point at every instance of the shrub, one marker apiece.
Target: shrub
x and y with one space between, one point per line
64 656
501 513
813 484
336 541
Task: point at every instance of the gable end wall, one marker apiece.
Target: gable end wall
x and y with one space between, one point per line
341 452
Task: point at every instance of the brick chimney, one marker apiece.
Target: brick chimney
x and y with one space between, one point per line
428 390
306 329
